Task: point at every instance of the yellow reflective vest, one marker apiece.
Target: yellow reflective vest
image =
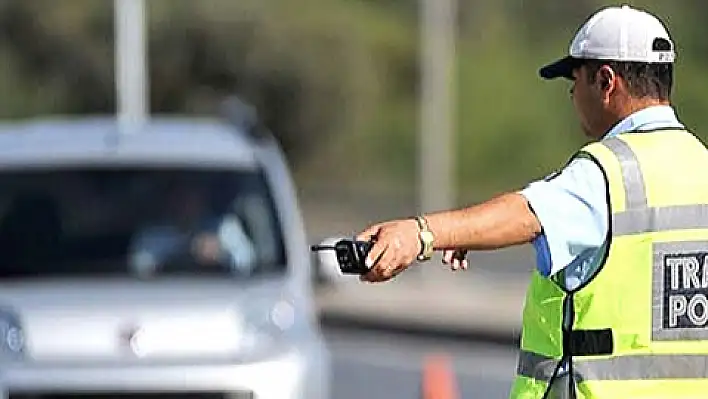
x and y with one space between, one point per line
639 327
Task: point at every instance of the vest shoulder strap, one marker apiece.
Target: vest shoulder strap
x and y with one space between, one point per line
620 159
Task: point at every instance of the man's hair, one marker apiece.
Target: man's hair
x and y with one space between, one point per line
643 80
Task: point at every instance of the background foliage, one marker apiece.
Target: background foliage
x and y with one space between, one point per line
337 80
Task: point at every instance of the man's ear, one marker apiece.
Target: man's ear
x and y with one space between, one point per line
607 79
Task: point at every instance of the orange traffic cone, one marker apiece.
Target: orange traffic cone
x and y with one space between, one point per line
438 378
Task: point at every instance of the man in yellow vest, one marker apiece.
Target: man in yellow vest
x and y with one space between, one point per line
618 304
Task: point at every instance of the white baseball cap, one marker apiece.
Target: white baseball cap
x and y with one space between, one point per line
616 34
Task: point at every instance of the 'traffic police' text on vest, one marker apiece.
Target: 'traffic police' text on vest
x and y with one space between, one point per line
639 327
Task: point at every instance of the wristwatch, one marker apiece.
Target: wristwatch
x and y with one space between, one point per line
426 239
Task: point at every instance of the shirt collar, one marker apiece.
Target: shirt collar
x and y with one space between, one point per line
654 117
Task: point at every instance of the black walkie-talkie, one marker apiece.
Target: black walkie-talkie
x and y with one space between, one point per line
351 254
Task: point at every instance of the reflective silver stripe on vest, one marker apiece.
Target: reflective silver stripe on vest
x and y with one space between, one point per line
647 220
638 217
635 190
533 365
630 367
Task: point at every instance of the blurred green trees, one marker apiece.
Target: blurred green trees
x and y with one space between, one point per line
337 80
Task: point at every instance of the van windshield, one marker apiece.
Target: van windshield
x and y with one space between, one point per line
142 222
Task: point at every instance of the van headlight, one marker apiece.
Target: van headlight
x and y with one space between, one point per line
12 336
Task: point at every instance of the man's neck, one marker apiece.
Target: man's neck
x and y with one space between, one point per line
632 106
638 104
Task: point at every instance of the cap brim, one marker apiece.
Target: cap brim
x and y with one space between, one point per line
562 68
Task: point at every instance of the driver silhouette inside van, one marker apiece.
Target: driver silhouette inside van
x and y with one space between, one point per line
192 239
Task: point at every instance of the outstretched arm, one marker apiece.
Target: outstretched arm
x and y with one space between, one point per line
503 221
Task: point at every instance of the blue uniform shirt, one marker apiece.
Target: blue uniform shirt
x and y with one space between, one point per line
578 194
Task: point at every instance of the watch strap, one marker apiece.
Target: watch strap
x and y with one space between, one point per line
426 239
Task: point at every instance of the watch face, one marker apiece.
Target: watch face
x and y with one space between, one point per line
426 236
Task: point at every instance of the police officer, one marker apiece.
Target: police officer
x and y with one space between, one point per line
617 306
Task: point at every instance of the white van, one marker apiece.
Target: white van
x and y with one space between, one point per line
167 262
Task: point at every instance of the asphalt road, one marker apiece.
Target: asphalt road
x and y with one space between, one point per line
376 365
